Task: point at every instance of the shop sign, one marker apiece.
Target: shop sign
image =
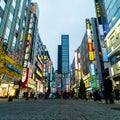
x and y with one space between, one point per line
16 86
25 76
13 68
91 56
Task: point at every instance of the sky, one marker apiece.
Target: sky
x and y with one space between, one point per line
58 17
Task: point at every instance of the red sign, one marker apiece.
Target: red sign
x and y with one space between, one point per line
90 47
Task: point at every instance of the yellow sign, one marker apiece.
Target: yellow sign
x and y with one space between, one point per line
28 37
98 9
91 56
38 73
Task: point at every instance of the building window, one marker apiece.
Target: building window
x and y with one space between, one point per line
17 26
14 3
2 4
11 16
12 10
9 24
7 31
5 1
0 20
13 43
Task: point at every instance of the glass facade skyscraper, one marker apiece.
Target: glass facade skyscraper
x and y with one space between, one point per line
65 53
13 26
59 59
112 8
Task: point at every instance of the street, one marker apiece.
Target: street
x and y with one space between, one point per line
58 109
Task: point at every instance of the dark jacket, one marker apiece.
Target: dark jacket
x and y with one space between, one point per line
107 86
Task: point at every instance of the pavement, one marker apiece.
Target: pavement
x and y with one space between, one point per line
58 109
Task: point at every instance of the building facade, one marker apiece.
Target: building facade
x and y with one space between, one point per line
65 53
65 61
14 16
59 59
111 37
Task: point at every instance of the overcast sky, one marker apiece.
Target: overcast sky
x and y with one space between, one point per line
63 17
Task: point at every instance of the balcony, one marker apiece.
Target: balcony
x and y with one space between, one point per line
116 69
114 48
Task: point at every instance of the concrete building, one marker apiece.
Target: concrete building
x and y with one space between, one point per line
63 62
110 10
14 15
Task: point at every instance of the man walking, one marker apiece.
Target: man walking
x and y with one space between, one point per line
108 90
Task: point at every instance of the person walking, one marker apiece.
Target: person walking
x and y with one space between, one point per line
116 91
108 90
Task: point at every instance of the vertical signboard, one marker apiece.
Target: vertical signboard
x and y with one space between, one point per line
90 44
104 53
92 69
76 67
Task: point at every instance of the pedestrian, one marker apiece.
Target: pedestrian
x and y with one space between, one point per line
108 90
116 91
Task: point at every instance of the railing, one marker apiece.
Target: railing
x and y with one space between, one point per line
116 69
114 46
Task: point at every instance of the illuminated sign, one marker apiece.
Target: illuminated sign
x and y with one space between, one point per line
98 9
38 73
89 36
28 37
101 30
51 72
90 47
40 66
25 76
104 53
13 68
91 56
76 67
92 69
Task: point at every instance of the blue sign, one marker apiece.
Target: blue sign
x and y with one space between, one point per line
13 68
92 69
104 53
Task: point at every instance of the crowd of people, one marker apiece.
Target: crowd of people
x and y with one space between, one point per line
109 94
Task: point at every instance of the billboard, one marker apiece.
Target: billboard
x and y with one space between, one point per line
90 44
92 69
105 56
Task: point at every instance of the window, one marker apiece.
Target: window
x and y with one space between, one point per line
13 3
14 42
1 12
17 27
2 4
0 20
5 1
12 10
7 31
8 23
11 17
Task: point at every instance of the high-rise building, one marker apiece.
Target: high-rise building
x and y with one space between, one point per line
14 15
30 47
59 59
65 53
65 62
110 9
13 26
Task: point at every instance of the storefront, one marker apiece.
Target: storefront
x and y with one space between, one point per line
10 75
9 89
